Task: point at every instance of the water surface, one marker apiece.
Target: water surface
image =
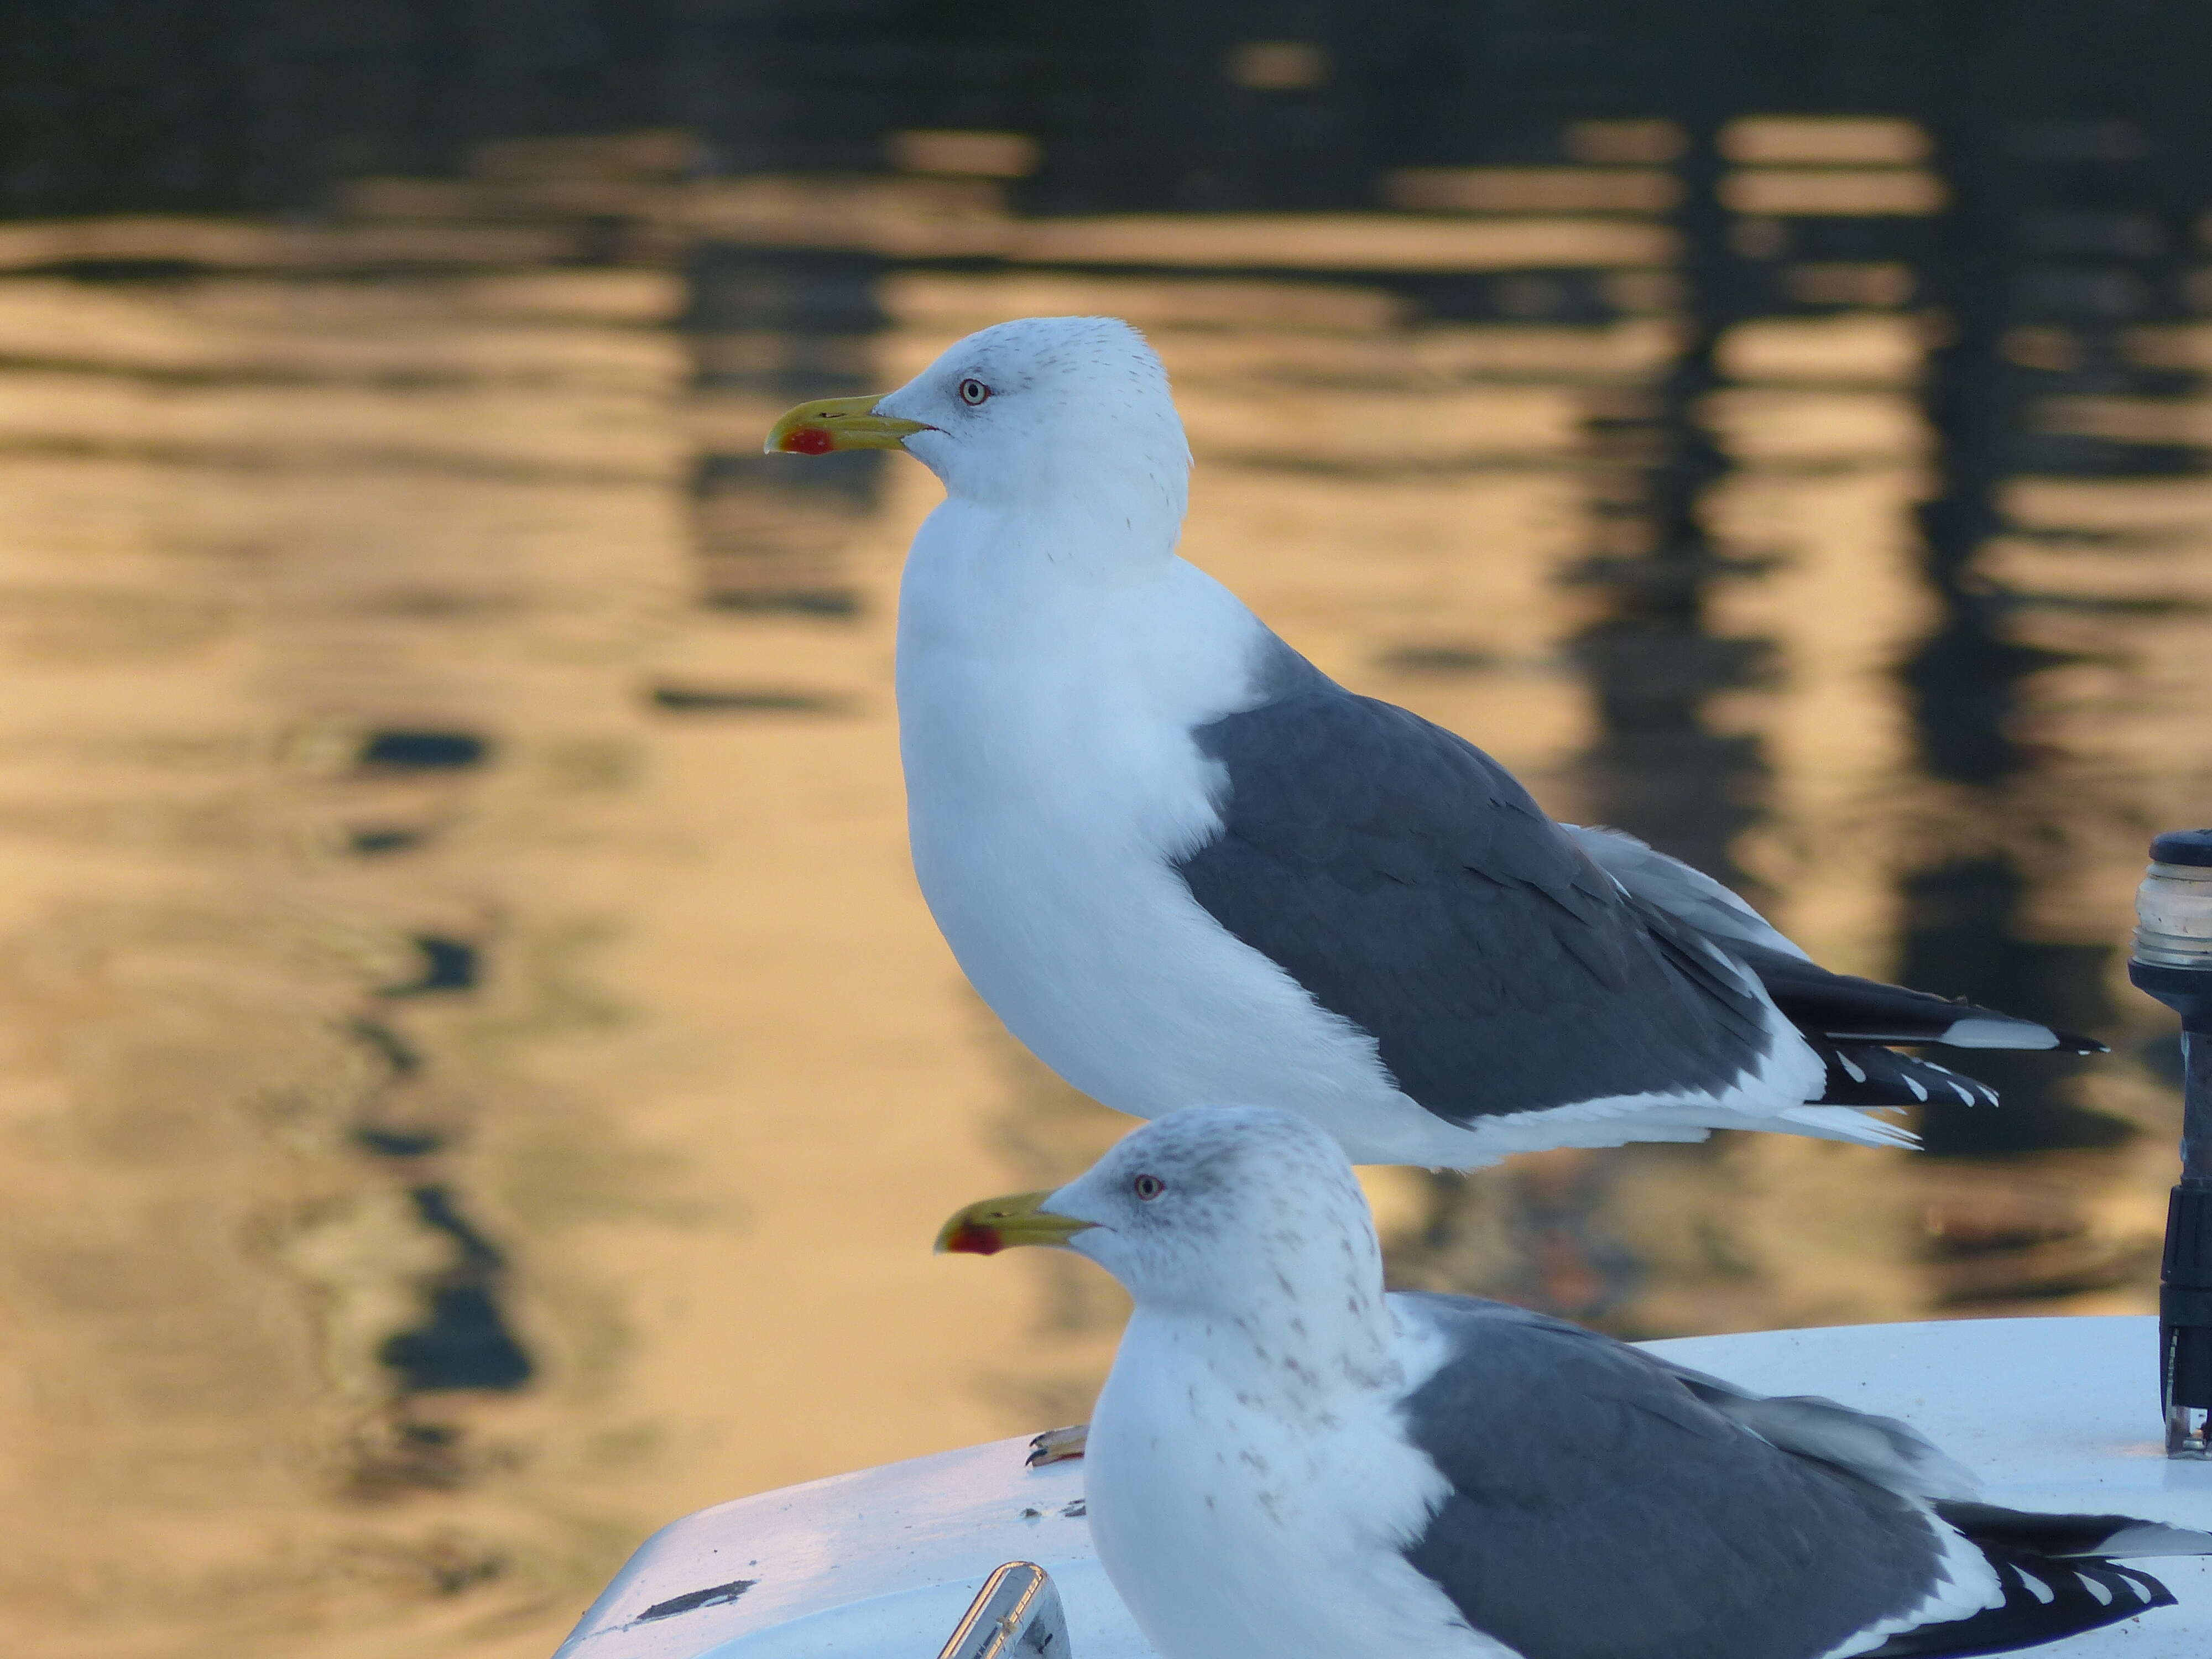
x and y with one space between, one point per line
479 1079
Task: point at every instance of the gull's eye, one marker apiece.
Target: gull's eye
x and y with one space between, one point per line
973 393
1148 1186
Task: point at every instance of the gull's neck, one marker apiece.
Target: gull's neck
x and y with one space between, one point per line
992 599
1119 499
1083 539
1301 1344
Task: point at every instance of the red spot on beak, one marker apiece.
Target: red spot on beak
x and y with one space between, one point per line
971 1238
809 440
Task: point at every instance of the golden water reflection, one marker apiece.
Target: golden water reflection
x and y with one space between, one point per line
479 1079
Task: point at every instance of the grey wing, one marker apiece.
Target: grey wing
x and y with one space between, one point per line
1598 1507
1412 887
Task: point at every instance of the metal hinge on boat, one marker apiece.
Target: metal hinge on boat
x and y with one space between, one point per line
1016 1615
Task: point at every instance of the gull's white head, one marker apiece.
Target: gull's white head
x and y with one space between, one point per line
1052 414
1244 1214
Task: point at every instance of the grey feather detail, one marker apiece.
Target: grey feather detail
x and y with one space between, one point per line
1689 894
1813 998
1893 1456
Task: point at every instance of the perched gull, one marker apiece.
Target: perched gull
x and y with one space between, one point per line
1287 1461
1184 865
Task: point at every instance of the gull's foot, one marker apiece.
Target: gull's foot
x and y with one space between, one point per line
1058 1445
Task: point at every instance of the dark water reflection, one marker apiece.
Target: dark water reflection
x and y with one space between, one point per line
483 1082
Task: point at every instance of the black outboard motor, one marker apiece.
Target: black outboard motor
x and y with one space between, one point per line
2173 962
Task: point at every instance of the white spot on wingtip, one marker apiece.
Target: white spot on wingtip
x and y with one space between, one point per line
1981 1031
1919 1092
1856 1075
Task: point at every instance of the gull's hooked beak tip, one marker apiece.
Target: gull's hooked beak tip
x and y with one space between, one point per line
825 425
1000 1223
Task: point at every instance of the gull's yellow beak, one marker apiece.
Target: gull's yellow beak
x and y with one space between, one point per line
1000 1223
828 423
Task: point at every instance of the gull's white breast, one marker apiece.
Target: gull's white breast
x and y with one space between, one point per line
1234 1531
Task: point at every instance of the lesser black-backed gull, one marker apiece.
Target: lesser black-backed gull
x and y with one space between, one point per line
1183 865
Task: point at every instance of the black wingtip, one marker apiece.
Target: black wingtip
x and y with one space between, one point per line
2071 1596
1869 1074
1842 1008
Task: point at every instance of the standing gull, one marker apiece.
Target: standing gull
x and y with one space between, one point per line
1287 1461
1182 865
